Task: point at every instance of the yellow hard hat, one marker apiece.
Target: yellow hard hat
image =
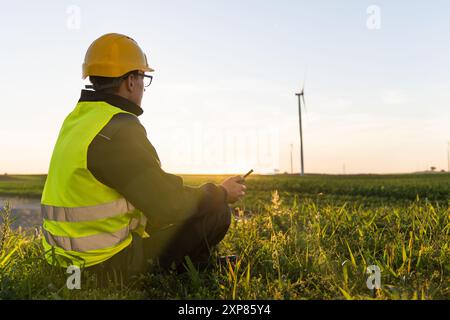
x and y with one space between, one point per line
113 55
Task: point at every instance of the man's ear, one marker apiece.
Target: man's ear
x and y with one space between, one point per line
130 83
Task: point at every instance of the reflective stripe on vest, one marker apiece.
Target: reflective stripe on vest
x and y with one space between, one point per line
90 213
112 214
84 244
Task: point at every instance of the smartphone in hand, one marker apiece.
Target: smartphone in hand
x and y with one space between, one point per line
248 173
245 176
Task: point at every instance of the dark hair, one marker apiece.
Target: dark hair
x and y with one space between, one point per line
108 84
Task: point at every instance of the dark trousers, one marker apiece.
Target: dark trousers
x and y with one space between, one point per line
194 238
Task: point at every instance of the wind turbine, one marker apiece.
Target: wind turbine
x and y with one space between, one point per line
292 168
301 96
448 156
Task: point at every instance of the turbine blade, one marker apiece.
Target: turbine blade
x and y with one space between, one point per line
304 79
304 103
303 88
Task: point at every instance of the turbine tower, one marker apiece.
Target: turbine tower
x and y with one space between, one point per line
292 168
448 156
301 97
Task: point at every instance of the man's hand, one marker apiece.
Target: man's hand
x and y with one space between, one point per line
235 188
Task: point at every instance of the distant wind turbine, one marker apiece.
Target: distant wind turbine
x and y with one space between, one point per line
448 156
292 168
301 97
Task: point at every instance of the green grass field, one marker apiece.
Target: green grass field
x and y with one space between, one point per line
306 237
22 185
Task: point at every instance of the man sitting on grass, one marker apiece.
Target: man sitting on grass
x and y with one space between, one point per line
107 204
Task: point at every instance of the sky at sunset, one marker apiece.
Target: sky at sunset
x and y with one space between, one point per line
377 83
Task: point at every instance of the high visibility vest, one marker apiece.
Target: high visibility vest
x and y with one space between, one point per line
84 221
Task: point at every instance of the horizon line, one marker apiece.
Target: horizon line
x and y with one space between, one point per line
263 174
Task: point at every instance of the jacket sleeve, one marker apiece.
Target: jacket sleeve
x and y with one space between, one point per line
122 158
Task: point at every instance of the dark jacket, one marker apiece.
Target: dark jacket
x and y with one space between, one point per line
122 157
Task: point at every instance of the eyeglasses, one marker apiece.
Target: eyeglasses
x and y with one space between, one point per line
147 79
